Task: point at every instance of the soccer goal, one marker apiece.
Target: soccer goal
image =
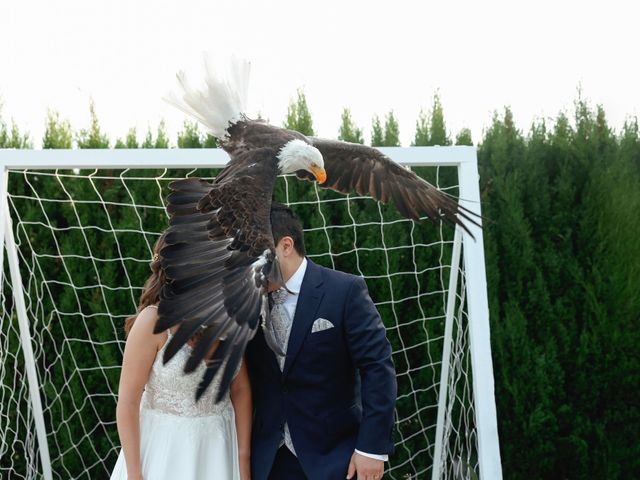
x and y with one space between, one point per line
78 227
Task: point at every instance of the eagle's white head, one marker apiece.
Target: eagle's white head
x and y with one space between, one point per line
299 155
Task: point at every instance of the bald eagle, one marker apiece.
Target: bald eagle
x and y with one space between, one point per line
219 255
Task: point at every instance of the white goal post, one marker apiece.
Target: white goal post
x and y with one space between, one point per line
49 412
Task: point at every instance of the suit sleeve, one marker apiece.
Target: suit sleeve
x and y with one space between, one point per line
371 354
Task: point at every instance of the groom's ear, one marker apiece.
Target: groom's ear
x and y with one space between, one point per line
285 247
289 245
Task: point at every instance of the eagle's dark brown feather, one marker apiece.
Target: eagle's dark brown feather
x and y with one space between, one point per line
216 233
357 168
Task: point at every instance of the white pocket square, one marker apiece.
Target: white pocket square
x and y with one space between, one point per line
321 324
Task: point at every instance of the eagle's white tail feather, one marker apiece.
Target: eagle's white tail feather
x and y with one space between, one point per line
221 102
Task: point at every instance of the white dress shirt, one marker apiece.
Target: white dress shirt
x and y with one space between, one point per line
294 284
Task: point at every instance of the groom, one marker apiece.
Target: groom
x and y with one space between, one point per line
325 411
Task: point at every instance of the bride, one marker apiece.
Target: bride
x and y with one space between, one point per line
164 432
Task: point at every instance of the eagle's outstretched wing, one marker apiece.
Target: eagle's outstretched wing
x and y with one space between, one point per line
353 167
218 257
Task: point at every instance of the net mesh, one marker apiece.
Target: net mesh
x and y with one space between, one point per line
84 241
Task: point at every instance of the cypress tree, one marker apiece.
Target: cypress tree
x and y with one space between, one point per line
92 137
130 141
298 115
348 131
558 198
12 138
464 137
391 131
430 127
160 141
437 128
57 132
190 136
607 243
377 135
517 288
421 136
210 141
619 262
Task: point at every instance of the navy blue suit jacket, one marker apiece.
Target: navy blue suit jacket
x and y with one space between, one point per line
337 391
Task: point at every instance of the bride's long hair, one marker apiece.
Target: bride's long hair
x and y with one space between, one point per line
151 289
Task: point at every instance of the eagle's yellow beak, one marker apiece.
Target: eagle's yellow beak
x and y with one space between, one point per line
319 173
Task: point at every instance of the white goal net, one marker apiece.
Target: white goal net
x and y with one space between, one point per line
79 227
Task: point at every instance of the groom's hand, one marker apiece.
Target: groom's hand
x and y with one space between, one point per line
366 468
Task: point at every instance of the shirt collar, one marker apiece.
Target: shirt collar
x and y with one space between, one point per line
294 284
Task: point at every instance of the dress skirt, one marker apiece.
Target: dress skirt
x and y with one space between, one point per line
187 448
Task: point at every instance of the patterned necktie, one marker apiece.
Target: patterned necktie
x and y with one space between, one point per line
281 325
280 322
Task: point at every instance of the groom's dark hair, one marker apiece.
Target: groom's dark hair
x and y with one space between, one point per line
285 224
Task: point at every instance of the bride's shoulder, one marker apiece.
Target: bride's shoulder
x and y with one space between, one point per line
144 324
149 314
150 311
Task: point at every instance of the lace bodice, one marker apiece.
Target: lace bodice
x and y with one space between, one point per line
170 390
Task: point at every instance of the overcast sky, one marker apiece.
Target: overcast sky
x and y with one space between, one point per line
366 55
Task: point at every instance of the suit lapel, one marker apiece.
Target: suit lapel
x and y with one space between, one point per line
306 308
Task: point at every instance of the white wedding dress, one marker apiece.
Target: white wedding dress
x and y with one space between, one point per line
179 438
